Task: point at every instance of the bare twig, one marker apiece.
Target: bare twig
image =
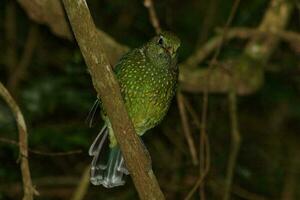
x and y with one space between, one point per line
20 69
83 185
152 15
200 181
275 19
204 51
204 151
50 13
193 80
205 28
42 153
291 180
11 36
203 130
204 154
108 90
214 60
192 112
9 141
66 153
237 32
203 164
186 128
224 35
29 190
258 49
235 143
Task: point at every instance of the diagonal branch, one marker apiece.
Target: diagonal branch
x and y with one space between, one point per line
108 89
249 68
28 188
152 15
235 143
18 74
192 79
186 127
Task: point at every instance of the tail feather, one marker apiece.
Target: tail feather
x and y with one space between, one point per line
107 171
96 146
89 119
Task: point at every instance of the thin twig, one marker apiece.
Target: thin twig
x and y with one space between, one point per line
258 50
108 90
203 130
152 15
200 181
42 153
204 153
29 190
11 36
186 128
20 69
277 8
235 142
205 28
214 59
202 165
66 153
224 35
192 112
83 185
291 181
212 44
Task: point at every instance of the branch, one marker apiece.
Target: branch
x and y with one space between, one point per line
83 185
11 36
274 21
152 15
235 143
108 90
42 153
202 53
18 74
248 70
237 32
48 12
270 26
186 127
28 188
51 13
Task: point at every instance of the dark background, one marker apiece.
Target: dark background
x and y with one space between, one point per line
55 94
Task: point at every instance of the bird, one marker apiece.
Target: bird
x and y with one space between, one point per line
148 79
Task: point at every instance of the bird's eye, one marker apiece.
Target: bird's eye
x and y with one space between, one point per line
160 40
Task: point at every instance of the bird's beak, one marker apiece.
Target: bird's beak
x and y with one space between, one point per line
172 52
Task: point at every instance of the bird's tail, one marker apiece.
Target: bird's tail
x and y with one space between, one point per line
106 170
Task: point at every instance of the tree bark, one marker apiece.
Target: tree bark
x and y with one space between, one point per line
108 89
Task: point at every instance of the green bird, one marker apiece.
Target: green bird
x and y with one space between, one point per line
148 79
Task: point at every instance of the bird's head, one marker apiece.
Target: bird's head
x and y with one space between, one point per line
163 46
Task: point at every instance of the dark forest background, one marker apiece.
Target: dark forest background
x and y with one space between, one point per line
43 69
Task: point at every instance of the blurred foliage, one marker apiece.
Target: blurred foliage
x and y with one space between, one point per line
56 95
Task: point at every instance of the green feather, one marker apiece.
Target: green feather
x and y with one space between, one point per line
148 78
